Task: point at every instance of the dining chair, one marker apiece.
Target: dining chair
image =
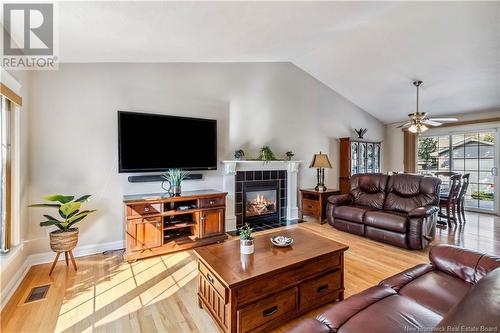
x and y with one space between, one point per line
445 177
449 200
461 197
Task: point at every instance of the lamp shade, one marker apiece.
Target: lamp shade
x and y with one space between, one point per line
320 161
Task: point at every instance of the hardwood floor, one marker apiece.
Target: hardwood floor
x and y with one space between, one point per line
159 294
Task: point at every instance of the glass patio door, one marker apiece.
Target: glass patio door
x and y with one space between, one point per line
474 153
465 152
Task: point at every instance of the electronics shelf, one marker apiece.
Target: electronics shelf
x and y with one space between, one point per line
156 225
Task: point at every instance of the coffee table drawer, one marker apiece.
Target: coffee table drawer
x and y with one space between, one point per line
270 308
315 290
213 281
283 280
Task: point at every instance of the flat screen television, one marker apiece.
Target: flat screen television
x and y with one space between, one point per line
153 142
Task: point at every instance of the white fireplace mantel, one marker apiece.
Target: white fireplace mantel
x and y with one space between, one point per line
229 184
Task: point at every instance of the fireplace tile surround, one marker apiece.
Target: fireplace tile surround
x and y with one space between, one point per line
256 180
236 173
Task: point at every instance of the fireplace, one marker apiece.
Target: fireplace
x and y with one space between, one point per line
261 201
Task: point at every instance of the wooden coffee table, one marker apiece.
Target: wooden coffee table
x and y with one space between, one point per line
253 293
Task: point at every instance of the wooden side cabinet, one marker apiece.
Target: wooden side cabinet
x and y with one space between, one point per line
358 156
313 203
159 223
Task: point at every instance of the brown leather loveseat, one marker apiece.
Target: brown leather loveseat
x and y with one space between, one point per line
459 291
400 210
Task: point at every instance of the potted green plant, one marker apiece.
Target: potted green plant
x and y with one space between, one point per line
174 178
246 239
239 154
266 154
70 212
289 155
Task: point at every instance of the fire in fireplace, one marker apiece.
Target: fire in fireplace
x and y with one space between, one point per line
260 203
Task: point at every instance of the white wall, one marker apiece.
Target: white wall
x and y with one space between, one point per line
73 137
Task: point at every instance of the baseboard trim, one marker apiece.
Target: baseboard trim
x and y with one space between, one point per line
47 257
80 251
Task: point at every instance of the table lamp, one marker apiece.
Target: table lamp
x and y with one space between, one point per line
320 161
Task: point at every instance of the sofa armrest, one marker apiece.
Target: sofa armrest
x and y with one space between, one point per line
424 211
310 326
455 261
340 199
338 314
399 280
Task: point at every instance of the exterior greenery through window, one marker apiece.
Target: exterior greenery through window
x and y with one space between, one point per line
472 153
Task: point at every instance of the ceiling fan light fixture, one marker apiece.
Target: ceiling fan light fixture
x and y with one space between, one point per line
418 128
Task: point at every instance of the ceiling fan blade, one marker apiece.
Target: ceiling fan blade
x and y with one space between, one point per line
444 119
431 122
404 125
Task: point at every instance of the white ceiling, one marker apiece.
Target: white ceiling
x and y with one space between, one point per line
370 52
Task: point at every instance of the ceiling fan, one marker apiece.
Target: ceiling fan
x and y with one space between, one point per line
420 121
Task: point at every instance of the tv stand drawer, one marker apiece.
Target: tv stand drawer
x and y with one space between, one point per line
143 209
211 202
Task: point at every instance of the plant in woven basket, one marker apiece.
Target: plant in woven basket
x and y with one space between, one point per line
70 212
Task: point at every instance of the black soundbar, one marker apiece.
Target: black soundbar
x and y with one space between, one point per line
159 178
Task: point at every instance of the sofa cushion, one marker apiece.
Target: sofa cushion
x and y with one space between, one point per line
407 192
393 314
387 220
387 236
436 290
351 227
369 189
479 308
354 213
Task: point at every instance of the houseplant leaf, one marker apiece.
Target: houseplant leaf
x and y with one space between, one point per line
69 208
83 198
80 215
46 205
59 197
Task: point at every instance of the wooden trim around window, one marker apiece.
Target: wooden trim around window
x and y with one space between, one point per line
471 122
11 95
410 148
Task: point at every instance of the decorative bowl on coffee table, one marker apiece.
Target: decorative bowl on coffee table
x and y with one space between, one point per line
281 241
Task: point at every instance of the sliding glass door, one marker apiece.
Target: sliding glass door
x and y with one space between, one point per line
467 152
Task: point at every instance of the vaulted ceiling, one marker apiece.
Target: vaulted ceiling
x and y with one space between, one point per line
370 52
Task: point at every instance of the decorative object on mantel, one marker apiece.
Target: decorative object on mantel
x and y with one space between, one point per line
239 154
246 239
281 241
320 161
420 121
174 178
266 154
289 155
66 238
361 132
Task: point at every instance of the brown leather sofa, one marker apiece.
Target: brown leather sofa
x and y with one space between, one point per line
400 210
459 289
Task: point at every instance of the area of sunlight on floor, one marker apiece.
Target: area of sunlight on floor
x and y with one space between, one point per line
130 288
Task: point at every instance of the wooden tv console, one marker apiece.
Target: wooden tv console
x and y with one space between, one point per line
157 224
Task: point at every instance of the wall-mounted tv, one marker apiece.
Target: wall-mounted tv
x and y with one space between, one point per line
153 142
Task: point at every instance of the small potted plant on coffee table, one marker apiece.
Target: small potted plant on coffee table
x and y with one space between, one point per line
69 210
246 239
